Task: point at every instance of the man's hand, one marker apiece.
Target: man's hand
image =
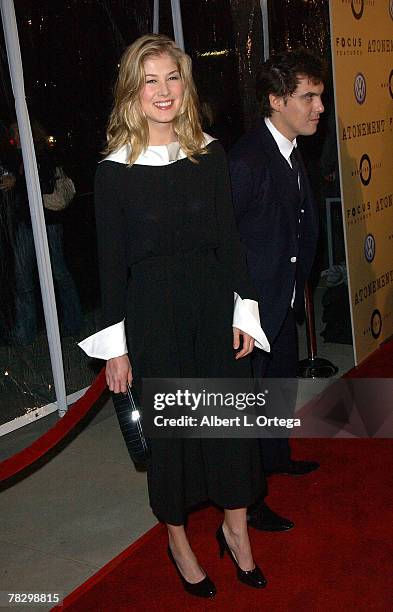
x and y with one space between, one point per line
247 343
118 373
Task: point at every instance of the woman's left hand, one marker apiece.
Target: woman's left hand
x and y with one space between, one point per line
247 343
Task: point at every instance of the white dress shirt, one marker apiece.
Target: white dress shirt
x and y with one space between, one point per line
286 147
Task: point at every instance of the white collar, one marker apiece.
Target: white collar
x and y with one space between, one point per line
286 146
154 155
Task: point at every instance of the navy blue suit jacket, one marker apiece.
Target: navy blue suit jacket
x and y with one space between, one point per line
272 226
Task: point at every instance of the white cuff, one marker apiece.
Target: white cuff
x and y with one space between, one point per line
107 343
293 295
246 318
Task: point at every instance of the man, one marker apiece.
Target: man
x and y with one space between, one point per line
277 221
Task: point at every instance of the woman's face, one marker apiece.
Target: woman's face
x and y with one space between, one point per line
162 95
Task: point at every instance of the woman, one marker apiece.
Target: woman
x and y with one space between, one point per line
170 262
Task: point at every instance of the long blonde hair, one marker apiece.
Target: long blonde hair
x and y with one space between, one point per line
127 122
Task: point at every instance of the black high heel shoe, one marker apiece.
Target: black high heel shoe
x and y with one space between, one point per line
203 588
253 578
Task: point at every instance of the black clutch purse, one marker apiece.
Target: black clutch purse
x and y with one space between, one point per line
129 415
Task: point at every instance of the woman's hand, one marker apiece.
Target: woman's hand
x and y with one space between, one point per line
247 343
118 373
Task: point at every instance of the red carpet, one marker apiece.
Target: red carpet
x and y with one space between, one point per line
378 365
339 556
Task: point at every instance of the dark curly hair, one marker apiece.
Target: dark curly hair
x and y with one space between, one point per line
280 74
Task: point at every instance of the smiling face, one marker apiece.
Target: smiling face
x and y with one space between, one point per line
298 114
161 96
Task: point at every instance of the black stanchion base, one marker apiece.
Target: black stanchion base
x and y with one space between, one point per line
316 368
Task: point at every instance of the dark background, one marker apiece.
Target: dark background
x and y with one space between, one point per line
70 52
71 49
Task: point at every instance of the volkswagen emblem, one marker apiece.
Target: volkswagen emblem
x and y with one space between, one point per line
360 88
369 248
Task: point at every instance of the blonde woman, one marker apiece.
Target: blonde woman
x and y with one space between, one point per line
170 266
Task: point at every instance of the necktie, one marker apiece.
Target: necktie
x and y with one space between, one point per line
294 157
295 163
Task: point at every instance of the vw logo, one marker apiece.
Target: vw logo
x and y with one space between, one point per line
357 7
360 88
376 324
369 248
365 169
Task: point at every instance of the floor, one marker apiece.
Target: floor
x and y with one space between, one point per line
87 504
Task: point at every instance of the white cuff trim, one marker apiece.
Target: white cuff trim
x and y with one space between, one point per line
293 295
107 343
246 318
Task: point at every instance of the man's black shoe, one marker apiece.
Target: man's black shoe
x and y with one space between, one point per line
265 519
296 468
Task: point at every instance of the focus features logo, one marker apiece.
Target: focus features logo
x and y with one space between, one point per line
358 213
348 45
376 324
369 248
365 169
360 88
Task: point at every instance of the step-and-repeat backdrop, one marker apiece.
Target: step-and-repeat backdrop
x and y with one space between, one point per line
362 50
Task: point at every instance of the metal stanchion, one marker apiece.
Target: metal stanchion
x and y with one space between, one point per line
314 366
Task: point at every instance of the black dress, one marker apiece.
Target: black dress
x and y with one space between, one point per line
170 260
